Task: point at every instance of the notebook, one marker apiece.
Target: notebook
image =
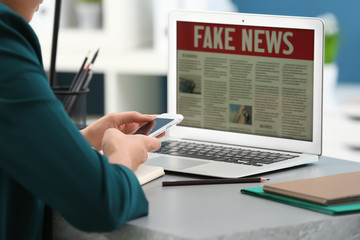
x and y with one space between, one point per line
329 190
147 173
247 83
330 210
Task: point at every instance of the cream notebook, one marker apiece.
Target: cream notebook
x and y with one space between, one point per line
147 173
328 190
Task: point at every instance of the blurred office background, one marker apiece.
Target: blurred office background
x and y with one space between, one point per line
344 11
341 78
132 65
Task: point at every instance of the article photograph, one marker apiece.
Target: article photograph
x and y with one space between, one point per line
190 84
240 114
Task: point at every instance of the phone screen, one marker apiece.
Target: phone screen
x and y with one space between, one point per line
153 126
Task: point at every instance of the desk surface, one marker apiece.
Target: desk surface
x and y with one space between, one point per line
222 212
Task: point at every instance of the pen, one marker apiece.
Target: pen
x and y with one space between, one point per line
213 181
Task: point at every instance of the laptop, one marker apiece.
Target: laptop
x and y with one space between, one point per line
250 89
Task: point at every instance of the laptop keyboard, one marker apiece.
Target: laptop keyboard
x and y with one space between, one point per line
221 153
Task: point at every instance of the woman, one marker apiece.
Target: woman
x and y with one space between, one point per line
45 160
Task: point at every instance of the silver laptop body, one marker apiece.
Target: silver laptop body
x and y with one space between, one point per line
244 82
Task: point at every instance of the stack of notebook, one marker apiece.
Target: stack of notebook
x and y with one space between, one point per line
333 195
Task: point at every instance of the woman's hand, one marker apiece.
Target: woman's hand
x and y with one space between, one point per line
128 150
126 122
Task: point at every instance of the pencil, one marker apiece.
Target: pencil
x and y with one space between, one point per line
89 73
95 56
78 87
80 70
80 82
213 181
74 82
87 79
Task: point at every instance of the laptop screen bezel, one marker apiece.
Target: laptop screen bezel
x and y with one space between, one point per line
241 139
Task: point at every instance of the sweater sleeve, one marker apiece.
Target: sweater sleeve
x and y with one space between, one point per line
43 150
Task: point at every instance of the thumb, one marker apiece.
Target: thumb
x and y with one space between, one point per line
152 143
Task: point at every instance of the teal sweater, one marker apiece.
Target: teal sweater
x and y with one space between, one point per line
44 159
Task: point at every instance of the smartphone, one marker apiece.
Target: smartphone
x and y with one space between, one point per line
159 124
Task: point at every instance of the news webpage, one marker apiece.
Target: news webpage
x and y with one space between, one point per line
254 80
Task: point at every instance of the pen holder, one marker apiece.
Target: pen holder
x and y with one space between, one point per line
74 104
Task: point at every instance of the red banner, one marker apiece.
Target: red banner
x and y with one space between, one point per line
246 40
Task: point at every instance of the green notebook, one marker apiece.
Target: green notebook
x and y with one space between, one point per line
330 210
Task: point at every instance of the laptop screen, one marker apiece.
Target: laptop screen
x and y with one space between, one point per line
246 79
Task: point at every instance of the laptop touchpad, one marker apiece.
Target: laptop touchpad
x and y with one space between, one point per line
173 163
